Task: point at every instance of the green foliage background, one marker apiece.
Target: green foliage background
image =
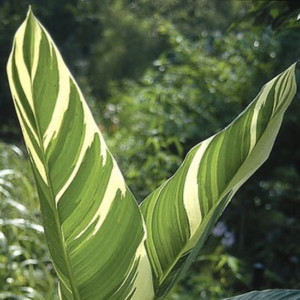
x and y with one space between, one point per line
160 76
26 271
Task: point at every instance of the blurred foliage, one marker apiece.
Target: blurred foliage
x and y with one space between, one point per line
192 90
102 41
160 76
26 271
280 15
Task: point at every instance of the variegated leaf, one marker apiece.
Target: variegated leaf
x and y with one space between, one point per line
269 295
93 225
180 214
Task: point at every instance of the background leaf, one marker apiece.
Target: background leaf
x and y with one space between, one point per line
270 294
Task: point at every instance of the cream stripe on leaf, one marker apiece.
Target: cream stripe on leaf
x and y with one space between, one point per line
191 196
181 213
94 229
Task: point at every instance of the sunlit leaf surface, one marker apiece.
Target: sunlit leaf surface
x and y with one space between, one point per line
93 225
180 214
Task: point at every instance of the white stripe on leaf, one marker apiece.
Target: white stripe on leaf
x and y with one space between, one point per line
89 135
61 104
16 99
282 91
24 76
116 183
258 106
25 82
36 54
190 193
91 127
143 284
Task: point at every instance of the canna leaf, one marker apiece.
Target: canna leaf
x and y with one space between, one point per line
180 214
269 295
93 225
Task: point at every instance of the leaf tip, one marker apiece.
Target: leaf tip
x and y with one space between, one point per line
30 12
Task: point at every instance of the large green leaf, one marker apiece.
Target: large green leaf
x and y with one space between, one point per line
269 295
180 214
93 225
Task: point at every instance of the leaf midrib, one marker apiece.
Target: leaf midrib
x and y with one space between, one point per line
71 278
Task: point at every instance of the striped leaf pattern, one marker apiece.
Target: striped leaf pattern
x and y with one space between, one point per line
93 225
269 295
180 214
